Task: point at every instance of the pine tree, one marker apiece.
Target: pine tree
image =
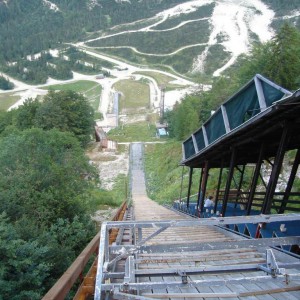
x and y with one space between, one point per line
5 84
285 65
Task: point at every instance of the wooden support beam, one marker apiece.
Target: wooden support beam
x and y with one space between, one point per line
238 195
190 185
200 196
229 179
255 178
266 209
218 187
204 184
290 182
262 180
181 185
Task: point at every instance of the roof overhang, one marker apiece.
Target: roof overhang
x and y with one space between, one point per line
265 127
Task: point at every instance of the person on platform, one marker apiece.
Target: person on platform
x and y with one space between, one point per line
208 202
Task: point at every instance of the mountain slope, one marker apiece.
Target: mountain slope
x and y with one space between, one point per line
195 37
189 37
29 26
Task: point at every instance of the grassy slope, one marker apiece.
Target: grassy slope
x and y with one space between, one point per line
163 42
134 95
7 100
139 131
161 79
163 172
134 102
181 62
90 89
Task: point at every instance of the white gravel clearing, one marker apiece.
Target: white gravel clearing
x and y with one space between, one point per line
235 21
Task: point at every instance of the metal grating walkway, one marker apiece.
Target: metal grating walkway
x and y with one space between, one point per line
170 256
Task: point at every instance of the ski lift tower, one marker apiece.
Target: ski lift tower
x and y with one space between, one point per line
162 103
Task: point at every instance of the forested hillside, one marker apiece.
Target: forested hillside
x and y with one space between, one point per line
278 60
29 26
187 41
48 190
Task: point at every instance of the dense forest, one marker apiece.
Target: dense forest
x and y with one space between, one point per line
47 192
29 26
36 70
160 42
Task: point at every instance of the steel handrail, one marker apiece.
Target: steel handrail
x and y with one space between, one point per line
65 283
63 286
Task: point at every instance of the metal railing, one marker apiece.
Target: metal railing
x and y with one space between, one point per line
66 282
109 255
241 198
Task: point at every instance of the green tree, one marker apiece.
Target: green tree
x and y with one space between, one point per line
256 61
42 176
67 111
23 266
45 184
285 66
184 118
6 119
5 84
278 60
64 239
25 114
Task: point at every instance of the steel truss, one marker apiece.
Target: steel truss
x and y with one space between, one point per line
125 284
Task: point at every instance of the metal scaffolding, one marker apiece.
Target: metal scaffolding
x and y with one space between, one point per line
149 258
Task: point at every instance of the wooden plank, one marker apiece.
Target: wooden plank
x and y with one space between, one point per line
202 253
145 279
280 295
242 293
191 295
157 290
238 288
220 289
254 288
186 290
204 290
146 209
223 289
276 291
174 293
196 258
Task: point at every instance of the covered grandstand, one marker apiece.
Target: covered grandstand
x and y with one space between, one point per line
257 125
